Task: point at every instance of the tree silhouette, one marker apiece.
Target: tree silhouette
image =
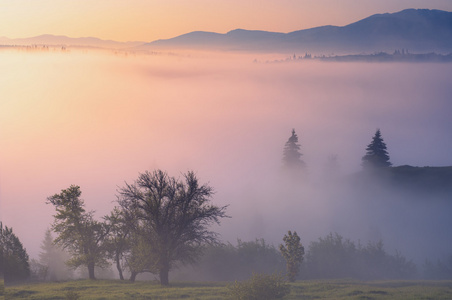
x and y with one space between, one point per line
14 265
53 259
77 230
292 155
376 155
120 241
173 217
293 252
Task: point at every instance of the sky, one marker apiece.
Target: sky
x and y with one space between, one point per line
98 119
143 20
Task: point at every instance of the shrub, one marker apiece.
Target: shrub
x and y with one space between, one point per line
336 257
227 262
260 287
72 295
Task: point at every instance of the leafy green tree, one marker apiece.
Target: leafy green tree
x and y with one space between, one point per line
293 252
118 242
174 216
142 257
15 263
78 232
376 155
292 155
127 244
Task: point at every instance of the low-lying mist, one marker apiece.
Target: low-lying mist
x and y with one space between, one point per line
97 119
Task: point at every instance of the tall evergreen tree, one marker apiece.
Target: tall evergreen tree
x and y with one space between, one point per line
15 265
292 155
53 260
376 155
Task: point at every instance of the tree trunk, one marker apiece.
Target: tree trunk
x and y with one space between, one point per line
133 276
118 266
91 271
164 278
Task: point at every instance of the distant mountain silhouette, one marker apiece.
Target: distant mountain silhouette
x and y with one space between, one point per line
420 30
60 40
415 30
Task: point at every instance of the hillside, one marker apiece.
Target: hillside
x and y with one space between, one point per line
416 30
419 30
416 181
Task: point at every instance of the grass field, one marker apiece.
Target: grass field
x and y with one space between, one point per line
324 289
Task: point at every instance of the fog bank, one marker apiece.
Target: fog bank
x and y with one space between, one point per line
96 120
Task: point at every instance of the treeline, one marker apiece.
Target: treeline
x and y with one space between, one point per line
336 257
377 169
161 223
376 156
397 56
329 257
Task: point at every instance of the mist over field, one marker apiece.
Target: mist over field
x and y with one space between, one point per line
97 119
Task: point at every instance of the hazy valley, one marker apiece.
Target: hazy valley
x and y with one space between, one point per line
96 113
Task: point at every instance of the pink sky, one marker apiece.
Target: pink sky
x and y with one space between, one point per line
150 20
96 120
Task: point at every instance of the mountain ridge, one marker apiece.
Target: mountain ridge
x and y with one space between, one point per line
62 40
418 30
415 29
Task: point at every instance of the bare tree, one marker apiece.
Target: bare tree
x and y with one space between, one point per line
174 216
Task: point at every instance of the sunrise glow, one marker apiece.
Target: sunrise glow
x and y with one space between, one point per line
116 88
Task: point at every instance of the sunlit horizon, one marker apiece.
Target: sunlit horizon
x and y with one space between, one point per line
148 21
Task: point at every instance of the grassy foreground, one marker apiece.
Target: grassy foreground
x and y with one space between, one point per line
319 289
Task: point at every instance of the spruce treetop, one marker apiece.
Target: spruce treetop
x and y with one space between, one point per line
376 154
291 154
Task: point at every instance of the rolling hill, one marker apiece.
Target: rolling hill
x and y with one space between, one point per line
415 30
418 30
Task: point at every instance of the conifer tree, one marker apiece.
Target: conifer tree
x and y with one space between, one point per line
53 260
376 155
292 155
15 265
